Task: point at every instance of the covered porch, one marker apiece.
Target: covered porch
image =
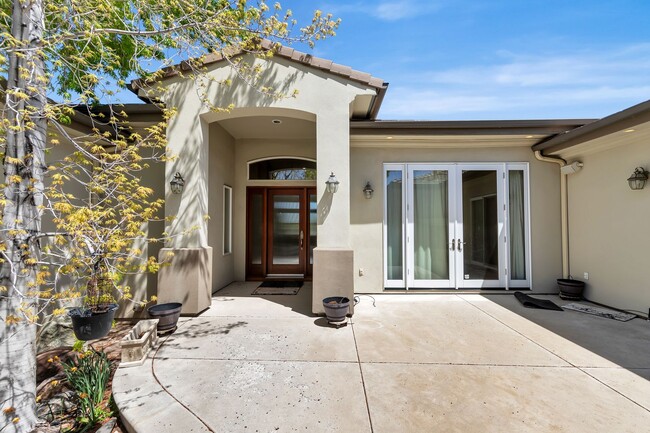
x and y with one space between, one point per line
228 224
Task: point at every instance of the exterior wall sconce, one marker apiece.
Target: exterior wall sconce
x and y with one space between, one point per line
367 191
638 178
332 183
177 183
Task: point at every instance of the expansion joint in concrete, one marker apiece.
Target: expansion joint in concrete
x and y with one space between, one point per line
363 382
164 388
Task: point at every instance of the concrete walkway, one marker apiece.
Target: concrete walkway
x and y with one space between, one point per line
407 363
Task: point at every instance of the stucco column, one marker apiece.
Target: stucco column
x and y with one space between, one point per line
188 277
333 257
187 138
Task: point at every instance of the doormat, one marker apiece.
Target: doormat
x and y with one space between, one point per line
601 312
530 302
278 288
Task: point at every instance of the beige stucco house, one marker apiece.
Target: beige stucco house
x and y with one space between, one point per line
455 205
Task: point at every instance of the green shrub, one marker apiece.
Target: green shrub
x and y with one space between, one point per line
88 375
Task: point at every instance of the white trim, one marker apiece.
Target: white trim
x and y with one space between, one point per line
461 282
528 282
227 229
410 244
394 284
456 259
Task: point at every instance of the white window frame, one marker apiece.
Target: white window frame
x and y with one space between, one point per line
461 282
503 203
227 222
410 241
528 282
394 284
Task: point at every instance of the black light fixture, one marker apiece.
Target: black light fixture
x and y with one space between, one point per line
367 190
332 183
177 183
638 179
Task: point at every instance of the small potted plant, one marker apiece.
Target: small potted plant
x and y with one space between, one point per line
95 317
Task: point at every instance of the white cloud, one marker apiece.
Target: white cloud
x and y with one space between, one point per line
584 84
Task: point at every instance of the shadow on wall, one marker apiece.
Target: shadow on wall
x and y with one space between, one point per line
240 94
190 268
324 207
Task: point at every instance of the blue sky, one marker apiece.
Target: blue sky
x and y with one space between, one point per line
509 59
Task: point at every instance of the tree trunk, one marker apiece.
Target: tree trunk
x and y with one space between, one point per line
24 169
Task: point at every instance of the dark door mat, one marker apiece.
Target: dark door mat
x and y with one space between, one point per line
281 283
530 302
276 287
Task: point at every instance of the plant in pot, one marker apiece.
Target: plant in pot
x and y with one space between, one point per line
105 220
94 318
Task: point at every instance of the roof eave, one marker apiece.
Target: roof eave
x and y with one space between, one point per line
624 119
464 127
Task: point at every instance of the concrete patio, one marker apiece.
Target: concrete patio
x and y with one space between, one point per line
406 363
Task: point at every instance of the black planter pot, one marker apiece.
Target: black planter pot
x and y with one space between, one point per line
167 315
336 308
88 325
570 289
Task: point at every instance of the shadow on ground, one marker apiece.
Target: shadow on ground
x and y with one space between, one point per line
623 343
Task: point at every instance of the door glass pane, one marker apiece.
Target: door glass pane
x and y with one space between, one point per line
286 229
517 225
431 225
394 225
313 220
480 225
256 229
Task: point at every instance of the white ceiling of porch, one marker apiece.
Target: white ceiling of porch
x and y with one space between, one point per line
263 127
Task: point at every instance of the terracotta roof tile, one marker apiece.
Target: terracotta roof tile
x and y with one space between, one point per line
291 54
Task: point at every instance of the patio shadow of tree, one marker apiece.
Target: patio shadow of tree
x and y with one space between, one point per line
189 330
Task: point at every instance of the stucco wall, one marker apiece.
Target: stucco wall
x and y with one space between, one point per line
145 285
142 285
367 215
221 172
325 97
608 227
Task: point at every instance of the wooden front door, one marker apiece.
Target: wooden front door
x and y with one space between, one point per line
281 232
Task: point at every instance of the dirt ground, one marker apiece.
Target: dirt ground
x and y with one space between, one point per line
51 381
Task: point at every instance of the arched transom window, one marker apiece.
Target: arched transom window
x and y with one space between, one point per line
282 169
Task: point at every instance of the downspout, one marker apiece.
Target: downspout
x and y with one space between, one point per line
564 209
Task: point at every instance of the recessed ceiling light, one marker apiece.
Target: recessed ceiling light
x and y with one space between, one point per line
389 138
276 121
629 130
529 136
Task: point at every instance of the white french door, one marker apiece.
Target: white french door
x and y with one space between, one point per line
448 226
430 205
479 252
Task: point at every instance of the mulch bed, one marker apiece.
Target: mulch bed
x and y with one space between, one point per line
50 378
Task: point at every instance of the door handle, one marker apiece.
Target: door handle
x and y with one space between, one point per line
453 245
460 245
302 238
